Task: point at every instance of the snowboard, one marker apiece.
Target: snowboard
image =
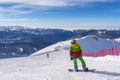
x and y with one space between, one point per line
90 70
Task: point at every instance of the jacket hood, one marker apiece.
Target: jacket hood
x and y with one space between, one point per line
75 45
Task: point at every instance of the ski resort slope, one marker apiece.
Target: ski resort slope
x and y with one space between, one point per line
56 68
39 67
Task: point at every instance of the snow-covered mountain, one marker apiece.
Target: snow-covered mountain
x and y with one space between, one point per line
118 39
15 38
90 43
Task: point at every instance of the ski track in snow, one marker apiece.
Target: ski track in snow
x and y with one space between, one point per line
56 68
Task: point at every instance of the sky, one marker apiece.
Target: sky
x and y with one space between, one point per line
60 13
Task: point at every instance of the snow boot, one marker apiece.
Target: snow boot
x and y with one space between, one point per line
85 69
76 69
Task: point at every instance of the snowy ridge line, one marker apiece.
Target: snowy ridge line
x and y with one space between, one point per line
49 49
43 53
12 27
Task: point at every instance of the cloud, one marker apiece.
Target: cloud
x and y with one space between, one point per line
16 19
15 9
54 3
21 7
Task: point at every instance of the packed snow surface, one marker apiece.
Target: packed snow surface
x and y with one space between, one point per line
56 67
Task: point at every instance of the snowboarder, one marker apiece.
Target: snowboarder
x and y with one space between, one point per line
76 53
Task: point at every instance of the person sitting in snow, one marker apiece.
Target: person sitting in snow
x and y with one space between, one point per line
76 53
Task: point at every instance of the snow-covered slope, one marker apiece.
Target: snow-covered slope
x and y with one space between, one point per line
90 43
56 68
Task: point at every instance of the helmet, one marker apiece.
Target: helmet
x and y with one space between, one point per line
73 41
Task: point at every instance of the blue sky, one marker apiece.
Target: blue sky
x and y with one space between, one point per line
61 13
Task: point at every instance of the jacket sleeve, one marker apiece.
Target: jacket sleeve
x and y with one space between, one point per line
70 50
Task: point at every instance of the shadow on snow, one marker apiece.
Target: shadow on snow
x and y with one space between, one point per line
108 73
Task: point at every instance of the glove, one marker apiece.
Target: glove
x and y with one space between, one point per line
71 58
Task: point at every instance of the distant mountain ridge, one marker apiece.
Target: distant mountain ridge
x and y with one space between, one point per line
23 40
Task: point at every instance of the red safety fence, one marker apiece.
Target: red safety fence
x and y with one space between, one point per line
113 51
